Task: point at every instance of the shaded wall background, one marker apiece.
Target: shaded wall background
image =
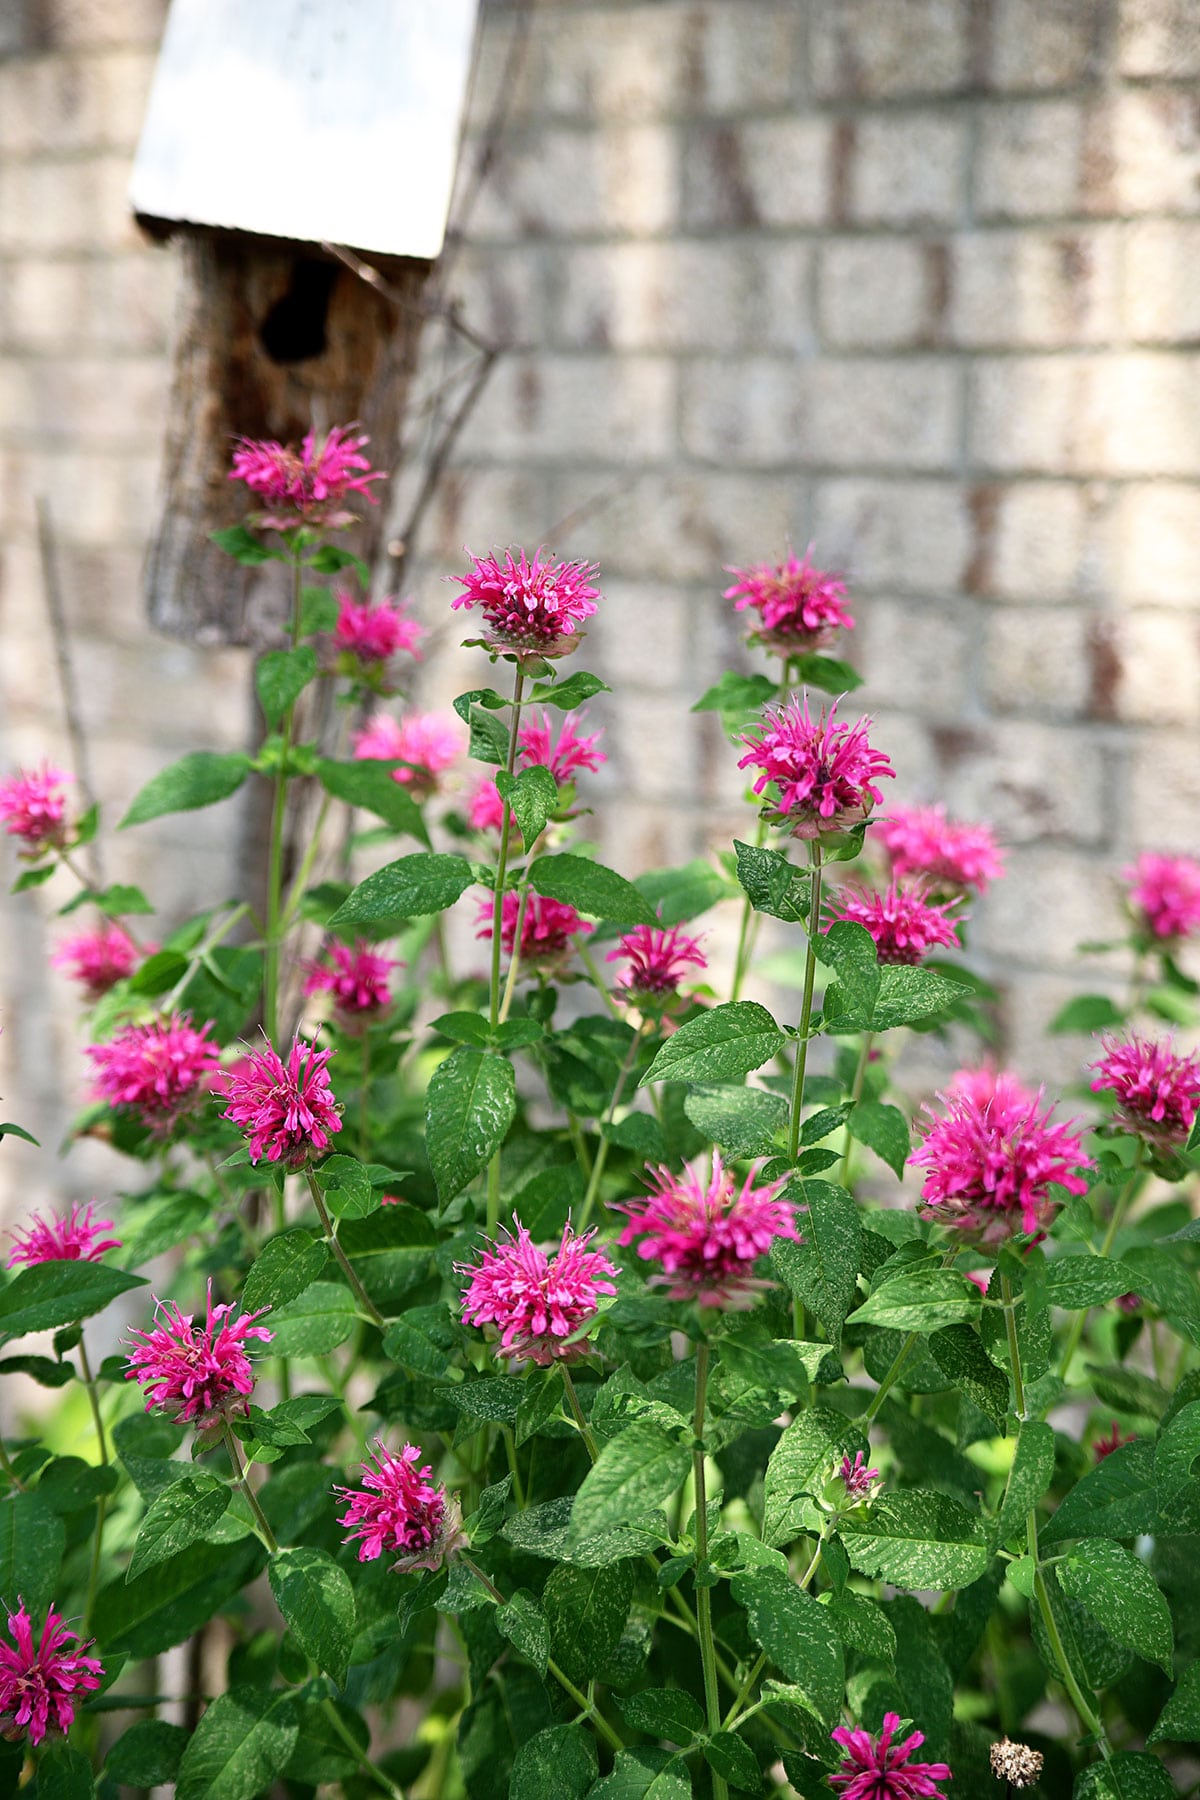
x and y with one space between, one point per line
917 281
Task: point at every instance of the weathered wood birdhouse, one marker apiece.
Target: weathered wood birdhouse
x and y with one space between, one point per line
303 151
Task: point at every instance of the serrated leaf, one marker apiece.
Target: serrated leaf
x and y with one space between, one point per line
1119 1591
862 1624
822 1270
315 1322
799 1466
426 882
645 1774
906 996
558 1763
590 888
283 1268
797 1634
199 779
280 678
959 1353
1077 1282
586 1610
681 894
533 796
240 542
634 1472
1087 1013
1129 1775
316 1599
1175 1457
721 1045
179 1517
470 1104
53 1294
849 949
742 1120
167 1603
545 1531
883 1129
1030 1476
347 1187
147 1755
772 884
240 1745
663 1712
918 1540
370 783
64 1773
920 1300
731 1757
32 1540
829 673
579 686
1179 1721
522 1621
1115 1499
740 694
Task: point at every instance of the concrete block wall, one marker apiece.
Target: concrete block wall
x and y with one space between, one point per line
916 282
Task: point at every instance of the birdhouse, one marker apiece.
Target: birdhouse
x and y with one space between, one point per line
304 154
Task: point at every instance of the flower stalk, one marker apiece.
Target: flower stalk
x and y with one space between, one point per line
708 1648
366 1305
810 971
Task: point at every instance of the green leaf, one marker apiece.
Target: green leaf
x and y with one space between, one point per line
1174 1459
742 695
318 610
331 558
797 1634
240 542
920 1300
1077 1282
391 1251
316 1599
147 1755
732 1758
645 1774
679 895
822 1271
64 1773
240 1745
346 1185
883 1129
772 884
533 796
590 888
18 1131
162 1227
799 1466
283 1268
470 1104
721 1045
370 784
426 882
1179 1721
586 1610
1031 1474
907 996
863 1625
634 1472
117 901
53 1294
828 673
1119 1591
918 1540
32 1540
42 1369
1129 1775
958 1353
280 678
169 1602
179 1517
849 949
316 1322
558 1763
742 1120
663 1712
199 779
1115 1499
1087 1013
522 1621
33 878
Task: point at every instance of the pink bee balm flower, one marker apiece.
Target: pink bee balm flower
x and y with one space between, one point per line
79 1237
485 808
540 1304
1130 1303
825 772
980 1278
708 1237
548 927
97 959
32 805
530 605
904 925
1164 892
563 752
197 1374
286 1110
374 633
430 743
921 840
155 1068
990 1162
658 959
800 608
1157 1089
357 978
877 1769
1115 1440
855 1478
399 1508
39 1686
308 486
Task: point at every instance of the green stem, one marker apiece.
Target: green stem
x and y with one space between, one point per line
360 1756
366 1305
6 1465
514 961
708 1648
364 1118
510 1446
585 1430
860 1075
493 1178
262 1524
905 1351
1129 1190
1014 1348
810 970
102 1502
300 878
593 1186
274 932
595 976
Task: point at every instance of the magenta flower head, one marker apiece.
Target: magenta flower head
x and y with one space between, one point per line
79 1237
529 604
856 1478
485 808
800 608
33 806
708 1235
156 1069
548 928
40 1684
564 752
97 959
199 1375
657 959
375 633
429 743
991 1160
904 924
287 1111
1157 1089
398 1508
1164 892
877 1769
357 978
1116 1439
824 772
308 486
922 841
541 1305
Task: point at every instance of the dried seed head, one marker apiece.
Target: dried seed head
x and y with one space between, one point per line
1016 1763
